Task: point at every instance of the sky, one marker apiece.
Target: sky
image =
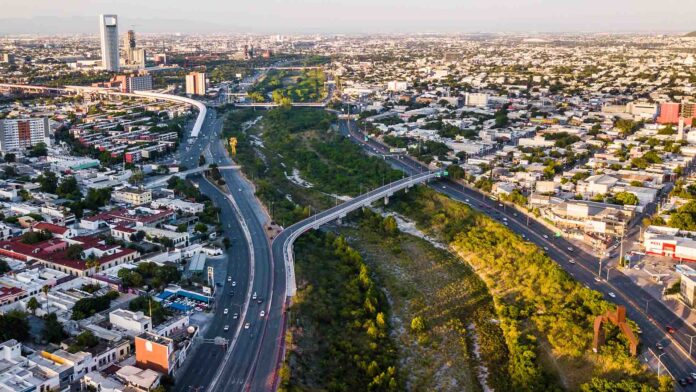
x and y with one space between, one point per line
350 16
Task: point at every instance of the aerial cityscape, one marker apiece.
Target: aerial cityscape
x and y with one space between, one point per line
315 197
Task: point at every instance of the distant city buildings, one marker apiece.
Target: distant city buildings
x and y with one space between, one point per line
108 32
134 56
16 134
196 83
129 83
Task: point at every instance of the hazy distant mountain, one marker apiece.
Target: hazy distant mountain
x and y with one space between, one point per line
691 34
90 25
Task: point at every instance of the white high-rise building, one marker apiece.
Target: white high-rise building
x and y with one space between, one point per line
22 133
108 31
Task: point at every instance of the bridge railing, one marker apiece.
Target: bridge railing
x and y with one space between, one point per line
340 211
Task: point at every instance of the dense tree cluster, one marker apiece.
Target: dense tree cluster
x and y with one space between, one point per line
346 315
150 307
536 298
87 307
14 325
148 273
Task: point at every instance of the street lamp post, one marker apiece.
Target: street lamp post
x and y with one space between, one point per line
691 340
659 363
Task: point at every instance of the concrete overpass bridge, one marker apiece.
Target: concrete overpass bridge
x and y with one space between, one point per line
270 105
282 245
290 68
162 181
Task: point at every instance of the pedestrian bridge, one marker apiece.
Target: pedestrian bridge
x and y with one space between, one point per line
283 244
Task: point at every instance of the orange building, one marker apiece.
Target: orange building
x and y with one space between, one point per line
154 352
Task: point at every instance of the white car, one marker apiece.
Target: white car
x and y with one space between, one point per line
571 261
546 248
234 283
262 314
235 316
570 249
227 328
545 236
229 278
467 200
611 294
254 296
597 279
225 311
247 325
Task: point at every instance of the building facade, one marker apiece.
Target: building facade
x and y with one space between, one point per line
16 134
108 32
195 83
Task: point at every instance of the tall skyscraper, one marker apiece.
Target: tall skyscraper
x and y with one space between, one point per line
130 39
195 83
108 30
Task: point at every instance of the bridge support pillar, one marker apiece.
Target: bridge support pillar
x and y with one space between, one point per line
386 200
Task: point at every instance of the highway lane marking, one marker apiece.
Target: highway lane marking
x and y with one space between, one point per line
247 235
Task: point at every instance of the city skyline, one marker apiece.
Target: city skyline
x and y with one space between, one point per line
358 16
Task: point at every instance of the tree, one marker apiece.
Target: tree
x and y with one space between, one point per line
33 304
626 198
418 324
53 330
45 289
390 226
14 325
455 172
36 236
201 228
201 160
38 150
10 157
4 267
137 177
92 262
69 189
74 252
137 236
48 182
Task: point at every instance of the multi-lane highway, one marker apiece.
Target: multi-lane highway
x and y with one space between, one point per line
210 368
651 315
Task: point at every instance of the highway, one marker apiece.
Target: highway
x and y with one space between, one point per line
209 367
651 315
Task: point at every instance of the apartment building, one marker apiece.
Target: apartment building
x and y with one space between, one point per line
132 196
16 134
196 83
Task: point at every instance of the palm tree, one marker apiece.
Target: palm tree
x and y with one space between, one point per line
92 262
45 290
